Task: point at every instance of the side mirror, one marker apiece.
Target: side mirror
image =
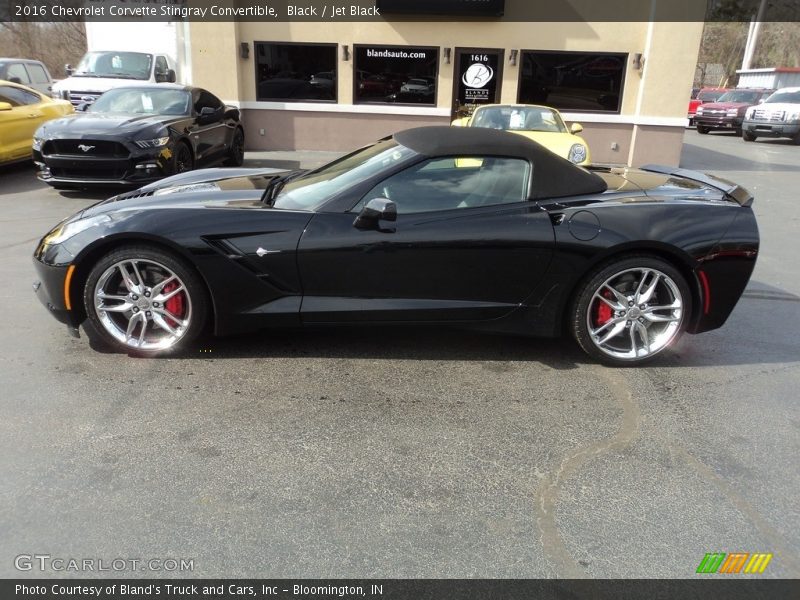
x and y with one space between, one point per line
374 211
171 76
576 128
5 106
16 80
68 70
207 115
762 101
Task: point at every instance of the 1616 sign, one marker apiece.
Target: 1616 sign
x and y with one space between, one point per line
477 77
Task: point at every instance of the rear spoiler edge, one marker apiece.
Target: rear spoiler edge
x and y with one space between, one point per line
736 192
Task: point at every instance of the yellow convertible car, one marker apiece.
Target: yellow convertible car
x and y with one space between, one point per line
541 124
22 110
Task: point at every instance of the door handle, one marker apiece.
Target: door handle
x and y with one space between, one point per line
34 115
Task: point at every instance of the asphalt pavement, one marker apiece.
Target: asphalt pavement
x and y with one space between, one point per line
411 453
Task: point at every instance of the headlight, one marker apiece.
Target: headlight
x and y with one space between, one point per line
64 94
37 143
749 114
733 113
154 143
577 154
699 110
65 231
795 116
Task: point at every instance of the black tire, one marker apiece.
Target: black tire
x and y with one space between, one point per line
191 317
236 152
748 137
796 139
703 130
621 272
182 160
738 131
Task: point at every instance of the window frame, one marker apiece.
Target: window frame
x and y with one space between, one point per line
32 93
21 65
437 52
625 59
333 45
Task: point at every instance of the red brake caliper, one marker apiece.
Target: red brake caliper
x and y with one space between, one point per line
603 312
174 305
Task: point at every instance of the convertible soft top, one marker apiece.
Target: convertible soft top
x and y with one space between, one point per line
553 176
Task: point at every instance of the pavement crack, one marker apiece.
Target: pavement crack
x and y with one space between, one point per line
553 544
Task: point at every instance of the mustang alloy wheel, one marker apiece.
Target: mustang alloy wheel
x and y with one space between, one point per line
631 310
143 300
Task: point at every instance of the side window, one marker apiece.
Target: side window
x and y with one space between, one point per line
204 99
17 71
37 73
455 182
17 97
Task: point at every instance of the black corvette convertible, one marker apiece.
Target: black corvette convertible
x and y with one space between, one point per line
444 225
133 135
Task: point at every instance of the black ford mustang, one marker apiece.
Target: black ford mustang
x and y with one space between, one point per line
457 226
134 135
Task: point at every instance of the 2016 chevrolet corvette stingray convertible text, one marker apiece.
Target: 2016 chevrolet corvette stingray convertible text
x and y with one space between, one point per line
465 227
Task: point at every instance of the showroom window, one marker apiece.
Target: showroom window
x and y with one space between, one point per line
573 81
395 74
295 72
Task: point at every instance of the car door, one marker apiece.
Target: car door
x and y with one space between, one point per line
18 124
209 132
467 245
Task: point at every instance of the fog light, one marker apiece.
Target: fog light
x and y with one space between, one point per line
147 166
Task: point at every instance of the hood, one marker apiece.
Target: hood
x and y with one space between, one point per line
724 105
210 188
87 125
91 84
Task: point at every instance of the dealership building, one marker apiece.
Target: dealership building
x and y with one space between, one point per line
310 85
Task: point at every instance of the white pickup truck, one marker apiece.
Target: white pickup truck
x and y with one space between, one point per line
100 71
777 116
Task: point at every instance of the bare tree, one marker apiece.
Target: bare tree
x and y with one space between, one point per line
52 43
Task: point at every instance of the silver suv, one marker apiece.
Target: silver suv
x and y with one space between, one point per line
31 73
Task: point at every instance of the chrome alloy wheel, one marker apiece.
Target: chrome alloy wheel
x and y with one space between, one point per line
635 313
143 304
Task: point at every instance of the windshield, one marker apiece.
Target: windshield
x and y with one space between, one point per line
519 118
148 101
125 65
710 95
744 96
787 97
314 189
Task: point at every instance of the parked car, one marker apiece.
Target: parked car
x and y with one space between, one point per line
22 110
727 113
30 73
777 116
133 135
417 86
100 71
517 240
541 124
703 96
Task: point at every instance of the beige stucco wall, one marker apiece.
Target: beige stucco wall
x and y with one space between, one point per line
653 100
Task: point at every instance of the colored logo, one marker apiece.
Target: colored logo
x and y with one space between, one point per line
734 563
477 75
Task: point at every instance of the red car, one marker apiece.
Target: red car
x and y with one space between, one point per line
709 94
728 111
